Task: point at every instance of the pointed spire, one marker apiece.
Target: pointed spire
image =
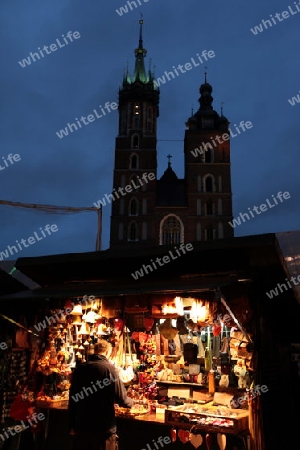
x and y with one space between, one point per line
126 77
140 53
141 32
153 77
169 175
222 104
206 98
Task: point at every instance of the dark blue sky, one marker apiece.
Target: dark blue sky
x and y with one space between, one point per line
254 75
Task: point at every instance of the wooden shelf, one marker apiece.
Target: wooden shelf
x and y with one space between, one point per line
228 390
182 383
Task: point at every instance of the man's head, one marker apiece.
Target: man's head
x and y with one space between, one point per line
102 347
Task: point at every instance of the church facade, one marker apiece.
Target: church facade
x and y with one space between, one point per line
169 210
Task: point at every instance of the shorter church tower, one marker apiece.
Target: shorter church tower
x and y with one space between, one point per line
207 171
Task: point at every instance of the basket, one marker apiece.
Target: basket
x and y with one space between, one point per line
128 412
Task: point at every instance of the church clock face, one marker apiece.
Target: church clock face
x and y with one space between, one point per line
207 122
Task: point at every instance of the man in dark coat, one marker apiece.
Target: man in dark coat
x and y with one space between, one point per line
95 388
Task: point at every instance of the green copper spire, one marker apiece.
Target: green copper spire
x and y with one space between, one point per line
126 76
140 53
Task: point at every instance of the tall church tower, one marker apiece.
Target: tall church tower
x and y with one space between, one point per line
132 218
207 172
169 211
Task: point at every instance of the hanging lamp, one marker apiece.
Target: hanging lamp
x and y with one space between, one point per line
84 329
77 310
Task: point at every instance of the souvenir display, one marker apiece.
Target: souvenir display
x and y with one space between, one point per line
185 364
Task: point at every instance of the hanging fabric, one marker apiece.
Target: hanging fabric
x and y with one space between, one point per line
201 349
216 345
225 357
124 365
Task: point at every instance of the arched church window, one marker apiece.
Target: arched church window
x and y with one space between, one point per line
208 155
209 183
134 161
132 232
135 142
133 207
171 231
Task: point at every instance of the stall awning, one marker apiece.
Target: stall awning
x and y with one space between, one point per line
11 280
208 266
184 287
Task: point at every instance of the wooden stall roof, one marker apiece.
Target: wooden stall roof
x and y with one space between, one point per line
207 266
206 257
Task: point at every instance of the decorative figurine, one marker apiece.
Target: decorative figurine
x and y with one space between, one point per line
240 371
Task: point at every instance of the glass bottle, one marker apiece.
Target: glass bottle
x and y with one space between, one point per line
207 359
211 382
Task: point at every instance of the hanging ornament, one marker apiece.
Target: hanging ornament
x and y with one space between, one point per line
77 310
84 329
119 324
148 322
216 330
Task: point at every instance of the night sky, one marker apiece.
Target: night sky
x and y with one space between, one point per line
254 75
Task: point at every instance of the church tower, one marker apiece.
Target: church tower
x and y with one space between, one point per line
132 218
207 172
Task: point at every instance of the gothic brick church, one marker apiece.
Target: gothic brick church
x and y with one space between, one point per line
169 210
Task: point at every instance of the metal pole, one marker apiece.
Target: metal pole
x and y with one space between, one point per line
234 318
99 230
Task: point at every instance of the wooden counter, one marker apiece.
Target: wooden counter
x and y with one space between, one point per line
149 417
134 432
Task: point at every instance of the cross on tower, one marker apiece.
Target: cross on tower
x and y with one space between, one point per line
169 158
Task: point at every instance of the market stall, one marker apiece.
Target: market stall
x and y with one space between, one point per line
185 360
196 344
